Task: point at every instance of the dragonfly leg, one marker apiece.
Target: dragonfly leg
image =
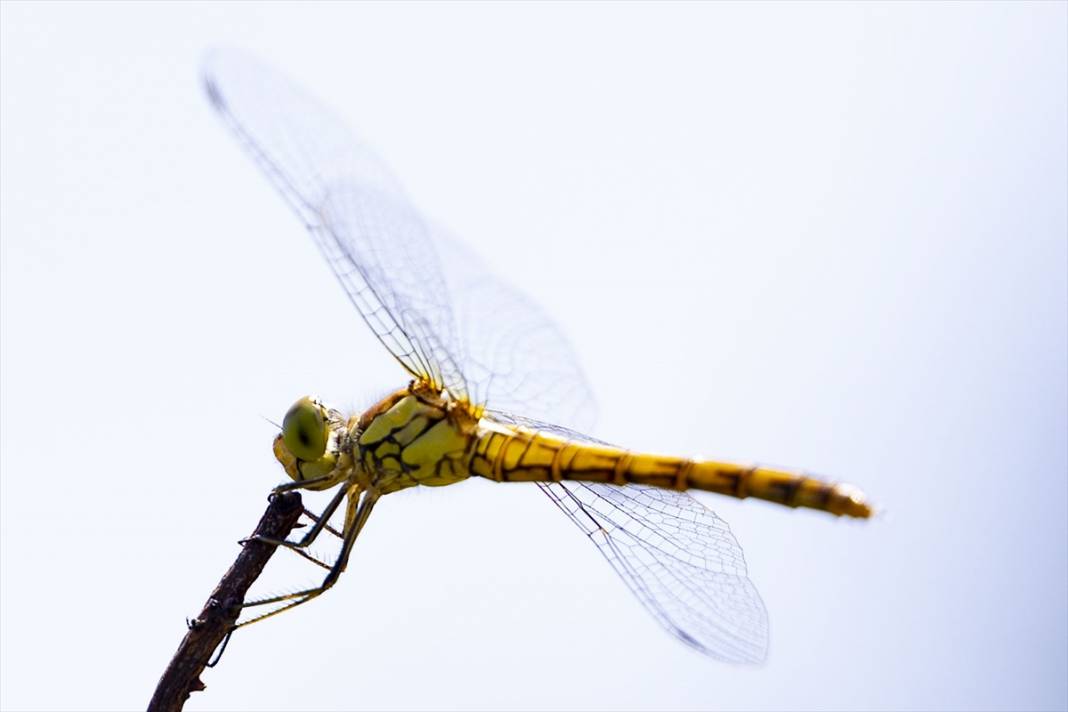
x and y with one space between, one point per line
291 546
315 518
314 559
355 518
320 524
221 650
322 519
302 484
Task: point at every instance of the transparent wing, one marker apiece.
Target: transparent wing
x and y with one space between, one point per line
379 247
511 352
680 559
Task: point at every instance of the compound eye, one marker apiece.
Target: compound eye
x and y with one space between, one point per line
304 430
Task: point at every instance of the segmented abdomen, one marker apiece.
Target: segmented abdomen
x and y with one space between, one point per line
510 454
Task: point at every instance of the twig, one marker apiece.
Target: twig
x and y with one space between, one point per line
182 675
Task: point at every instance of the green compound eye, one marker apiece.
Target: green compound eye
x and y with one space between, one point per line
304 431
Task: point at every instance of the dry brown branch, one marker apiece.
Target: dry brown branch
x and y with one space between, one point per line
208 630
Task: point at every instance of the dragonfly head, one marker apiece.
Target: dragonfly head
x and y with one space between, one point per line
309 444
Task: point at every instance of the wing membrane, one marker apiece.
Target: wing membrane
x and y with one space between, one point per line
513 355
679 558
378 246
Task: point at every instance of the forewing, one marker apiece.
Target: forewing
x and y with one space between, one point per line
377 244
680 559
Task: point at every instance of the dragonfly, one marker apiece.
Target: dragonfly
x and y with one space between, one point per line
490 380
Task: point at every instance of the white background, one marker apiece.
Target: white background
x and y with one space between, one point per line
831 237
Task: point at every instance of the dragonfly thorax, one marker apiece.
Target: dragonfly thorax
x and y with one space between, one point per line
416 436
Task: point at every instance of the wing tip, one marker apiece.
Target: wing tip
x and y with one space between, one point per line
751 652
208 77
211 89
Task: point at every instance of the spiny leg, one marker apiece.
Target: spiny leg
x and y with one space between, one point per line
320 523
355 518
314 559
315 518
322 519
302 484
297 547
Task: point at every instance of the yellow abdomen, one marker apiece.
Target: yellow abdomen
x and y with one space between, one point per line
508 453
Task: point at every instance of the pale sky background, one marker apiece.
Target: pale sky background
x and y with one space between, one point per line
826 236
